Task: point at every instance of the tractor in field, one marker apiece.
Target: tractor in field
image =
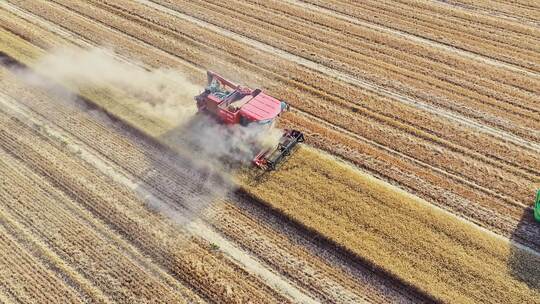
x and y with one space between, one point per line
537 206
230 104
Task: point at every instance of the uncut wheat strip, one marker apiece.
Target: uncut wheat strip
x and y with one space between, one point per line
498 218
425 30
28 276
524 192
347 216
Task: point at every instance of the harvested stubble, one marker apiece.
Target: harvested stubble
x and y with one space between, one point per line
447 29
453 260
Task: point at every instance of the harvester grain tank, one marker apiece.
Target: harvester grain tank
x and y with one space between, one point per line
230 104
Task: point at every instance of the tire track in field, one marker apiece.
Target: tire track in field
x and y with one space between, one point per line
493 12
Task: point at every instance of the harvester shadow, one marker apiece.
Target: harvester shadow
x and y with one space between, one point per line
524 263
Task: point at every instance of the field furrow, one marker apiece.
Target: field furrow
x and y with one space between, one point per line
514 11
441 29
28 278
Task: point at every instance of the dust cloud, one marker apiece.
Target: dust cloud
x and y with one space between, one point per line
163 93
205 152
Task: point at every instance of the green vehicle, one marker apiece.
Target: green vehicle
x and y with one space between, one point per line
537 206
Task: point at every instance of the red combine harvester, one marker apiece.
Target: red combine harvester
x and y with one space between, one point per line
230 104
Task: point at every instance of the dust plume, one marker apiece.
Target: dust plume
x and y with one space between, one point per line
205 152
162 93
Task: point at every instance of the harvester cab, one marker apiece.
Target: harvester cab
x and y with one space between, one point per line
229 103
537 206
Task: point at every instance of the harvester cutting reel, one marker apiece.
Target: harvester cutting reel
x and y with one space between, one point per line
270 158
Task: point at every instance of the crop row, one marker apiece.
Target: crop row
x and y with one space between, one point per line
441 196
439 28
24 277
